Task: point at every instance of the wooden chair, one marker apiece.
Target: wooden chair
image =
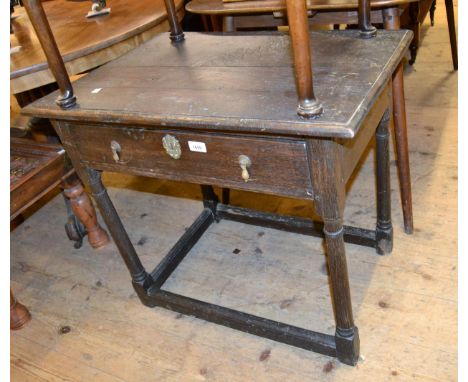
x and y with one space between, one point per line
257 14
392 14
313 150
35 169
413 17
19 314
261 14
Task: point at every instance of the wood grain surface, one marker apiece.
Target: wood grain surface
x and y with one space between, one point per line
84 43
287 159
242 83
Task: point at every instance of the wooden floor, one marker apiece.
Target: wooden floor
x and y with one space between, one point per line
88 325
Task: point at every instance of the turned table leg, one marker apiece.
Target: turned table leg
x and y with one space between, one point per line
19 314
140 278
84 211
384 230
329 188
391 18
210 200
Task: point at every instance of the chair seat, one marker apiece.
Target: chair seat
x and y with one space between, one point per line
35 168
242 83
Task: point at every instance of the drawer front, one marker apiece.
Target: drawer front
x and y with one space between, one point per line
272 166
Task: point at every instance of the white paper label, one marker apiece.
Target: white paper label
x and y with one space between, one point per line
197 146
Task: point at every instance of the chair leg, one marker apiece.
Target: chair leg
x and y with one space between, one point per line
392 21
432 12
401 144
84 211
415 27
330 190
141 280
19 314
226 195
452 32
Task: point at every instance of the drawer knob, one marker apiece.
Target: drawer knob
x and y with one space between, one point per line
172 146
245 163
116 150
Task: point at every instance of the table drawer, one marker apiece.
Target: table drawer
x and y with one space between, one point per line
277 166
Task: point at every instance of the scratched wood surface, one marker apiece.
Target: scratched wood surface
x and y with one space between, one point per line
89 326
84 43
236 82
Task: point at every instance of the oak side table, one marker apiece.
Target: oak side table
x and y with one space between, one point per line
220 110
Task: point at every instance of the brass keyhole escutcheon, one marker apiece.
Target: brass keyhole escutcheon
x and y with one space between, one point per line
116 151
172 146
245 163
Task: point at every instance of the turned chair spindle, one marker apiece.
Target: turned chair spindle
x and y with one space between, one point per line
57 67
308 105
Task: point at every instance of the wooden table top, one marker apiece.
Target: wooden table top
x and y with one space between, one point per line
240 82
84 43
219 7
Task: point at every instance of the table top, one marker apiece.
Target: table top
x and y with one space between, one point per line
82 38
241 82
213 7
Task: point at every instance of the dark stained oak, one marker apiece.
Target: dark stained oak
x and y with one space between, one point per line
284 157
240 83
235 95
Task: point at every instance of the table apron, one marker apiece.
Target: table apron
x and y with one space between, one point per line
277 166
